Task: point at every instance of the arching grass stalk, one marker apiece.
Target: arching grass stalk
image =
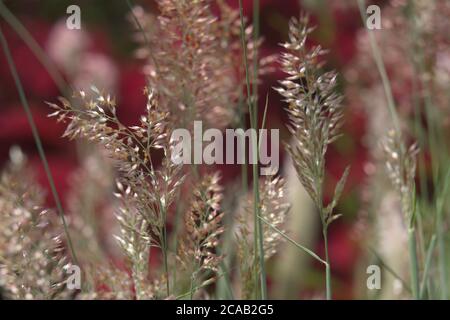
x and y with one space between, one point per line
299 246
38 142
315 113
390 270
381 69
426 270
37 50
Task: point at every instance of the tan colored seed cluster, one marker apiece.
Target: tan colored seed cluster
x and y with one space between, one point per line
315 112
32 258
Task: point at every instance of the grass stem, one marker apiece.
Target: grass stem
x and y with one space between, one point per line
252 104
427 266
38 142
414 269
390 270
441 237
381 69
37 50
327 266
289 239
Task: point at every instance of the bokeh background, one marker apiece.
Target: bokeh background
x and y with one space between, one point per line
102 52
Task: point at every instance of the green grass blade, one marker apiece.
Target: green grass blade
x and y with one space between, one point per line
258 241
390 270
285 236
38 142
34 46
427 266
381 69
441 236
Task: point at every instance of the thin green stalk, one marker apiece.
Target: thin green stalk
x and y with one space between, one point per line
381 69
64 87
165 253
164 243
434 131
136 20
244 169
258 234
256 26
174 239
263 124
441 237
325 225
327 266
258 225
130 5
413 263
226 281
34 46
427 266
412 248
390 270
419 132
259 244
166 267
206 283
224 288
177 224
38 142
285 236
442 258
255 61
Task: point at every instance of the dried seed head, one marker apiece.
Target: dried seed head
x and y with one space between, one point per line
145 192
401 169
32 256
314 109
194 59
203 226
